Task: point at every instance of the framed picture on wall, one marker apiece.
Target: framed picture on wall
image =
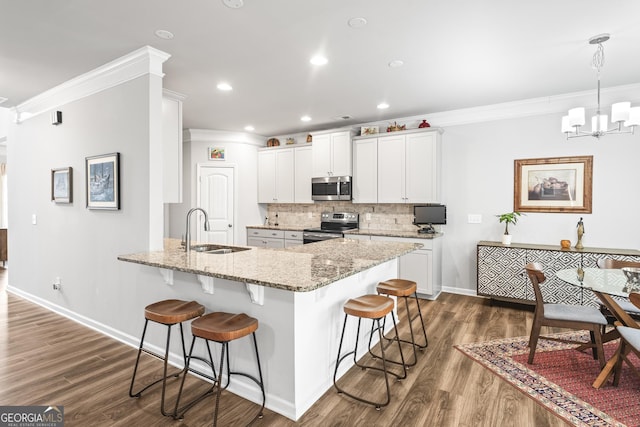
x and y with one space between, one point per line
554 184
62 185
103 181
216 153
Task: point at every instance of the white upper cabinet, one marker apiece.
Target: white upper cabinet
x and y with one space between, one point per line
276 176
172 147
303 174
409 168
365 171
332 154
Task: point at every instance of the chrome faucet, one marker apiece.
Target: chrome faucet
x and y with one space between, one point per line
187 233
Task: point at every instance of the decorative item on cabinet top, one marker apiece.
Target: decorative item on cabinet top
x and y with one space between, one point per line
368 130
424 124
396 127
273 142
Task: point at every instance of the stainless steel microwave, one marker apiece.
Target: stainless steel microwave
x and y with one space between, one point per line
331 188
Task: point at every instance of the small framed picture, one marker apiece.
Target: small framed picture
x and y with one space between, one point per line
62 185
216 153
368 130
103 181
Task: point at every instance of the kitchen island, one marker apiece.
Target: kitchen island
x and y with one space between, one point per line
297 296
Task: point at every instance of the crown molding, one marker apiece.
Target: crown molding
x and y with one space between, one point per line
146 60
221 136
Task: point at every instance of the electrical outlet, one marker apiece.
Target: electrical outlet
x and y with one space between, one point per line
309 215
57 285
367 216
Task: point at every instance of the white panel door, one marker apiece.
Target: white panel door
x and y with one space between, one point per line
303 165
216 196
391 169
421 166
321 153
341 154
365 171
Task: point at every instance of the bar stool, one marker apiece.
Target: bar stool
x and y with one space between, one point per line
222 328
374 307
402 288
167 312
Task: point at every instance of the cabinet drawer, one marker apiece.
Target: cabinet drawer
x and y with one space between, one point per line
263 232
293 235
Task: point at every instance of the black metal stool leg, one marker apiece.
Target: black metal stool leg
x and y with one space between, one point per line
384 369
141 349
424 331
178 413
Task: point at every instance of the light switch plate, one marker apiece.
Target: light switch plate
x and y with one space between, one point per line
474 219
34 219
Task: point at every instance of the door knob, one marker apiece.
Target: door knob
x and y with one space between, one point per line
230 225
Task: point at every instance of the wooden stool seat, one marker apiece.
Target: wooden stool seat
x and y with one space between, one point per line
222 327
172 311
397 287
369 306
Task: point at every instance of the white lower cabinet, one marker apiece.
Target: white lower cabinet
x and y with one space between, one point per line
268 238
423 266
292 238
265 238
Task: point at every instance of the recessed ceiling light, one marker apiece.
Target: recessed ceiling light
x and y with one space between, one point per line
164 34
249 128
224 87
319 60
357 22
305 118
396 63
383 106
233 4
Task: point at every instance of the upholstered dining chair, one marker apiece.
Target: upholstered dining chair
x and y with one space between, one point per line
630 341
625 304
563 316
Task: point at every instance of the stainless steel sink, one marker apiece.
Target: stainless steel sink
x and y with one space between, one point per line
217 249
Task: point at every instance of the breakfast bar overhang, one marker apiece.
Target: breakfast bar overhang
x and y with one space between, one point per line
297 296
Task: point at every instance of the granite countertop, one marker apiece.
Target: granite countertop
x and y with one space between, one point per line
392 233
281 227
301 268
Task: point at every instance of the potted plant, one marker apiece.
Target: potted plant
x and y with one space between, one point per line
508 218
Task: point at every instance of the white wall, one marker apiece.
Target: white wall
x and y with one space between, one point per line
478 166
241 151
69 241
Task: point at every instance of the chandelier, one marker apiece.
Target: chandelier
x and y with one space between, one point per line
623 117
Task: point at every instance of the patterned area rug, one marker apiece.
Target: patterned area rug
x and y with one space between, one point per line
560 379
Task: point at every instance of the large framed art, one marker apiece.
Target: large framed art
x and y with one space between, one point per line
553 184
103 181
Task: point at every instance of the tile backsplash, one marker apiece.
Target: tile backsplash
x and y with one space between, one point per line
383 217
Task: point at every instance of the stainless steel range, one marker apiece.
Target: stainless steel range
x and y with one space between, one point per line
332 226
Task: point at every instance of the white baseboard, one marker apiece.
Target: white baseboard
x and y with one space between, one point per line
460 291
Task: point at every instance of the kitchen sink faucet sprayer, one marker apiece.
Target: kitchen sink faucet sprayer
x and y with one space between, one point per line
187 232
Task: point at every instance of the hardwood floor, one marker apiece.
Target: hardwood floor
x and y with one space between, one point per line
46 359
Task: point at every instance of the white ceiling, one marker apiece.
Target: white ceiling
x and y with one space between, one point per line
456 53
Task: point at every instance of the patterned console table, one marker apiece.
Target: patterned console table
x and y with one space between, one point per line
501 273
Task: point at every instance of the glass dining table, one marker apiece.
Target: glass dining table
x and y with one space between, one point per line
605 284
